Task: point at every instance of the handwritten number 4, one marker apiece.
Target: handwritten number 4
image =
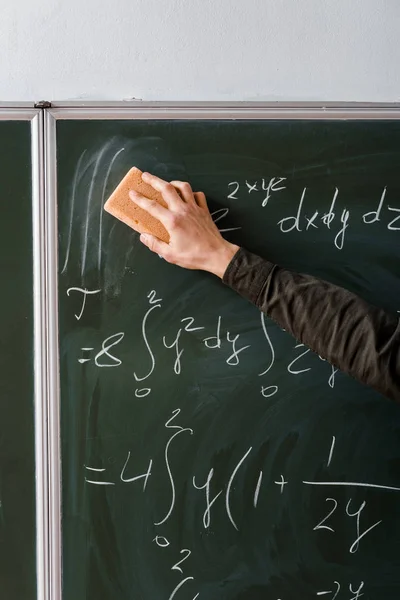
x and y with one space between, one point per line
357 593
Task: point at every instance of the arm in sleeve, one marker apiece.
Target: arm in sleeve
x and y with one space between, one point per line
354 336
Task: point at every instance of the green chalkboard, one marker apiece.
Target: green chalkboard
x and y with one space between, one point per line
204 453
17 453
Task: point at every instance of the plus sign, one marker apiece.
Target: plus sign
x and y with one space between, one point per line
282 483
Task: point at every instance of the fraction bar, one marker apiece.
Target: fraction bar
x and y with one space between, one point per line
353 484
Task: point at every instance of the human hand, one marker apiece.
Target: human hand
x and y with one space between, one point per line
195 241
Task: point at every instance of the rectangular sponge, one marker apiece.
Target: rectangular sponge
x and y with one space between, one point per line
123 208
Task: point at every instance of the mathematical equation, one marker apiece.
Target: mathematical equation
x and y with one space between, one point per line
267 189
107 355
210 499
357 514
212 495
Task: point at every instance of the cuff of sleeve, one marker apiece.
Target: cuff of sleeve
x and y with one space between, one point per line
247 274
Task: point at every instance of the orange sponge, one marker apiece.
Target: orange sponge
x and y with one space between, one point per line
123 208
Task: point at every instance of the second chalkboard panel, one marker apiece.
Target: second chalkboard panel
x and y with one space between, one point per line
206 454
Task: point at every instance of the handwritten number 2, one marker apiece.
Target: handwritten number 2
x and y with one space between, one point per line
321 523
290 367
176 567
232 194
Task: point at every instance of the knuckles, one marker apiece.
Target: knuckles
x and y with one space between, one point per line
174 220
168 187
184 187
177 218
168 257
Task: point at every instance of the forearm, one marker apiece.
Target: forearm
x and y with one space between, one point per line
359 339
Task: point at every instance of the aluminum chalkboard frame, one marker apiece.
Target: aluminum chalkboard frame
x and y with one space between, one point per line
27 112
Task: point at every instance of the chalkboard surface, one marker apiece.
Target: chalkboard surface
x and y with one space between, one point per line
206 454
17 453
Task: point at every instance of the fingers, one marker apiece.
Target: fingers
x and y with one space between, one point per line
154 244
200 198
185 190
169 193
151 206
175 191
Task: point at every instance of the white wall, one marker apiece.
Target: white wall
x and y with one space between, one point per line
200 49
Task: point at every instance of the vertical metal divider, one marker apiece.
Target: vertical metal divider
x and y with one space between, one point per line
40 355
53 386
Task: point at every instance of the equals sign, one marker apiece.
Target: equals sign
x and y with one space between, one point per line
83 360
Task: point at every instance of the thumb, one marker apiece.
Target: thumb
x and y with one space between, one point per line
153 243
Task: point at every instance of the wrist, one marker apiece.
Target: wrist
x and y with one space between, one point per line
221 259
